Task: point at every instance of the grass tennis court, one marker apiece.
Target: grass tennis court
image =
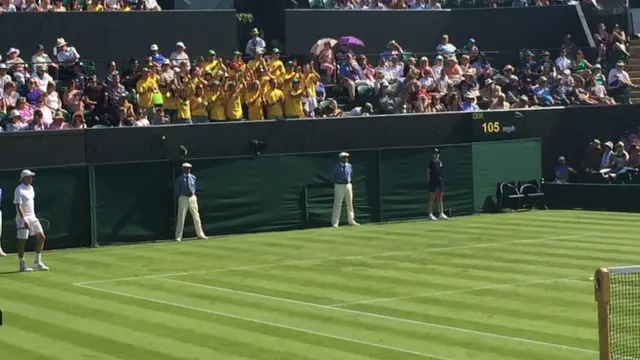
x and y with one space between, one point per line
489 287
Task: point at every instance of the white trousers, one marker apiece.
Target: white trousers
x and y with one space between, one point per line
191 204
342 193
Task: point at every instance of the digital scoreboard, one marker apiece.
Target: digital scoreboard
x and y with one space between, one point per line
497 126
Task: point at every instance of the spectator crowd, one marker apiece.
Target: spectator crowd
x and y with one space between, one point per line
60 92
9 6
433 4
605 163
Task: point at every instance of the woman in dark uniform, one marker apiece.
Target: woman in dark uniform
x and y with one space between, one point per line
434 175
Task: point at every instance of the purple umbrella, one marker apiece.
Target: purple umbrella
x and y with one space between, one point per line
351 40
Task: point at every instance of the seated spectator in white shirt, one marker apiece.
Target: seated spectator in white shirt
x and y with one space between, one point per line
442 84
396 68
111 5
141 119
7 6
445 48
152 5
438 66
620 82
41 77
58 6
4 77
30 5
563 62
393 49
256 43
67 55
180 56
41 58
365 110
52 99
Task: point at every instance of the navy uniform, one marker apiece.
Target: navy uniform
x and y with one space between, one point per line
187 201
342 190
436 185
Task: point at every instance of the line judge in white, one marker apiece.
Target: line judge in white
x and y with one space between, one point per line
186 193
27 222
342 190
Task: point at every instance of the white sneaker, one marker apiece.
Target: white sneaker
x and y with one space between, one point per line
354 224
2 253
178 239
443 217
334 226
25 268
202 237
432 218
40 266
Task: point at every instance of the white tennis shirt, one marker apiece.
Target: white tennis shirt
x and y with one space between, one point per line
24 196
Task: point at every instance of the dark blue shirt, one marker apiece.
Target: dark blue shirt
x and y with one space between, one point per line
342 173
186 185
32 96
562 173
435 173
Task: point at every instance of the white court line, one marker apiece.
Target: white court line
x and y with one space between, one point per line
438 293
386 317
310 261
269 323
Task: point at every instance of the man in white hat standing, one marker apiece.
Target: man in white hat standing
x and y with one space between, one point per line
27 222
342 190
180 56
186 193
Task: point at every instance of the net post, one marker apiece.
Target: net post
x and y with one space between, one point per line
602 286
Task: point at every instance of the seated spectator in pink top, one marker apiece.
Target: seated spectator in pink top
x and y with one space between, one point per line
327 59
453 70
58 122
37 124
368 72
41 105
25 110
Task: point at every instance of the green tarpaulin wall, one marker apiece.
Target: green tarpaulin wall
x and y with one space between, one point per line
124 203
493 162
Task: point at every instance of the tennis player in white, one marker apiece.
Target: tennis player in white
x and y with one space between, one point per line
2 253
27 222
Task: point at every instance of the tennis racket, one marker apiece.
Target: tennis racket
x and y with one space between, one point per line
45 224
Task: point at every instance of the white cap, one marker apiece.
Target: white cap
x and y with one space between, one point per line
166 62
26 173
181 44
14 113
186 165
3 66
154 47
609 144
343 154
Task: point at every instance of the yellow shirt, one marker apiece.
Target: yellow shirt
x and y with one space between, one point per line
170 103
276 68
212 65
216 106
145 89
198 106
254 102
234 104
96 6
253 64
293 103
274 97
310 85
184 109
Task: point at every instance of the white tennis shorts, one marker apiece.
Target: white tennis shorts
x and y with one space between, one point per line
34 227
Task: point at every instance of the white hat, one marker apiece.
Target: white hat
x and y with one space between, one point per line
26 173
567 72
166 62
561 158
13 50
609 144
186 165
60 42
384 83
15 113
343 154
154 47
181 44
3 66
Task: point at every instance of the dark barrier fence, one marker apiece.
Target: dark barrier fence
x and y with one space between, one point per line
420 31
564 131
606 197
133 202
121 35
